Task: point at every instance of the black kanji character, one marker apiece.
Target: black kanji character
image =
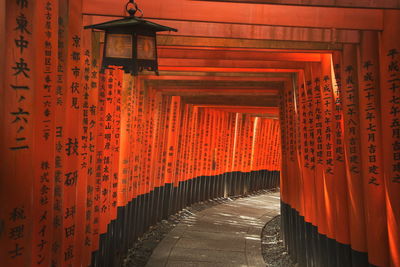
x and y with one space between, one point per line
75 103
393 66
367 64
70 231
43 217
75 88
72 147
19 87
396 167
41 244
45 165
373 181
17 214
76 41
44 178
21 67
396 179
21 43
16 252
394 110
22 3
349 69
22 23
76 71
88 242
349 80
20 115
392 53
71 178
76 56
396 146
373 169
16 232
70 212
368 77
395 100
57 221
69 253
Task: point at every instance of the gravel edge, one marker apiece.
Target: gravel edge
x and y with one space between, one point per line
272 246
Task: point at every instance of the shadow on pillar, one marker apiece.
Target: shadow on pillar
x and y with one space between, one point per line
134 219
309 248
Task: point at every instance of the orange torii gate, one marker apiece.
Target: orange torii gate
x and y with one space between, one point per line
88 154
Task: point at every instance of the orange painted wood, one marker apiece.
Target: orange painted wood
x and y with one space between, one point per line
116 137
17 137
351 142
257 55
371 150
71 140
389 103
326 89
341 189
247 13
45 47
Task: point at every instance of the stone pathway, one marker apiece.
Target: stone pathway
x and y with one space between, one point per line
224 235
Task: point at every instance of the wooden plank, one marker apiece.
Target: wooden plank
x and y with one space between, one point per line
254 55
244 31
174 84
267 101
153 78
374 4
170 40
235 54
213 69
191 92
239 13
174 62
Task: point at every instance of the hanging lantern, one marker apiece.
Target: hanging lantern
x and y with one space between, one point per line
130 42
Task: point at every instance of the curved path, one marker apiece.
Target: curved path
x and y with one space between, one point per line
223 235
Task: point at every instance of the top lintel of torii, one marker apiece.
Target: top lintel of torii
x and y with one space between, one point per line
329 14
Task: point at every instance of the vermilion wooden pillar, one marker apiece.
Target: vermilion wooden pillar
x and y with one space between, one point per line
17 137
354 173
340 186
328 142
70 130
371 150
390 106
44 120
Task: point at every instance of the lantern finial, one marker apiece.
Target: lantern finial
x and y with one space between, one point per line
132 7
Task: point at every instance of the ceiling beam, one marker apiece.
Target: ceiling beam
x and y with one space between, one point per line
374 4
246 75
187 41
216 85
219 54
259 101
261 32
247 109
214 78
213 92
216 69
244 13
171 62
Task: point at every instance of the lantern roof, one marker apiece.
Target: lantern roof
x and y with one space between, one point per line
131 22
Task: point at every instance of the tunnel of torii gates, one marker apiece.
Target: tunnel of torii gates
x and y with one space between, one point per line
250 95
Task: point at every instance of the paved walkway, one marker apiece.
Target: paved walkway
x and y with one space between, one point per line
223 235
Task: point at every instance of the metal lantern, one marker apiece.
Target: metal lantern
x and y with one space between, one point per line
130 42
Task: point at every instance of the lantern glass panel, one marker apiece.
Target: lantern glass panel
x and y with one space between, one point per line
119 45
146 47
